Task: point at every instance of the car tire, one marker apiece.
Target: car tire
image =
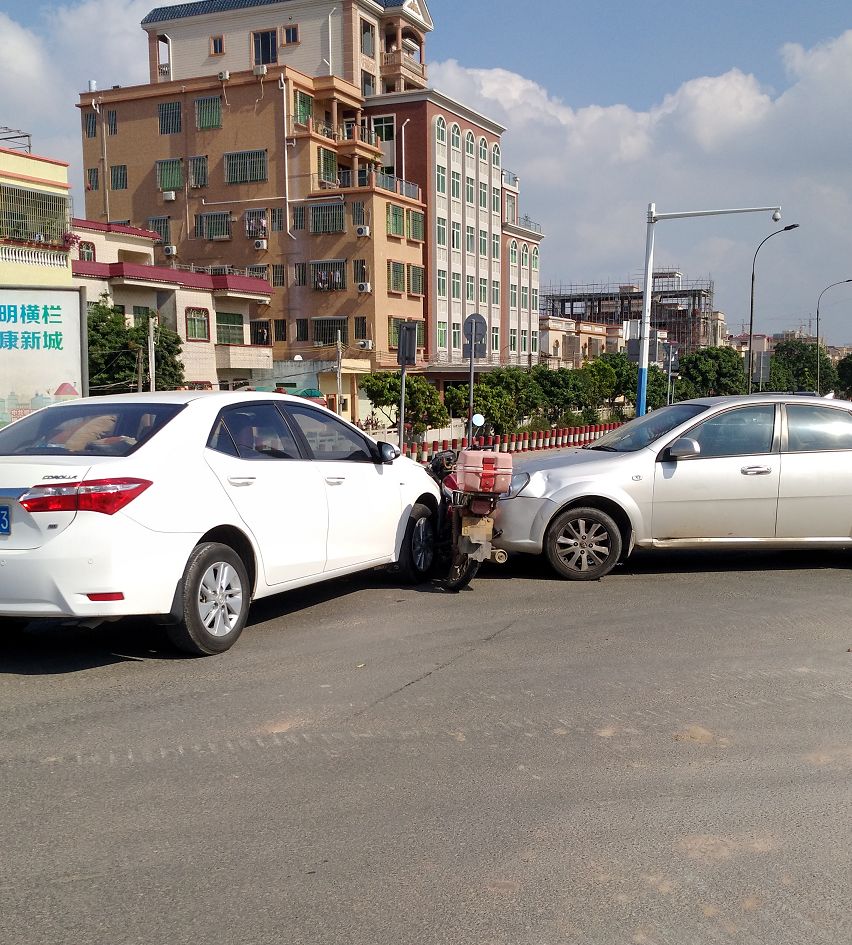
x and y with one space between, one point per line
216 600
583 544
417 556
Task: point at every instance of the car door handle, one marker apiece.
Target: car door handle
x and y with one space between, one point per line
242 480
756 470
335 480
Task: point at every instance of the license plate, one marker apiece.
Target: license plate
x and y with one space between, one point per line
5 520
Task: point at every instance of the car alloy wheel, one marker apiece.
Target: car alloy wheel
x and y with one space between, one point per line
583 544
216 599
417 556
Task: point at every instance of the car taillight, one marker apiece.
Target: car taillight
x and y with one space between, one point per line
99 495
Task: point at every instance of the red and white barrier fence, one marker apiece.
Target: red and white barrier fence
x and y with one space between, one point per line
526 442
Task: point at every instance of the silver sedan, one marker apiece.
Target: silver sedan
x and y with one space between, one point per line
769 470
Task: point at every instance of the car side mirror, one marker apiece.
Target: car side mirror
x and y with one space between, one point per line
683 448
387 453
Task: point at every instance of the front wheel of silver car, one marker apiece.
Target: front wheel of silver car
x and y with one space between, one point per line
216 599
583 544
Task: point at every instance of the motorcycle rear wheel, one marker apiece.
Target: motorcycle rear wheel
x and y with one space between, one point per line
462 572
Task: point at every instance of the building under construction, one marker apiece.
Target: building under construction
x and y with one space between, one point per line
683 308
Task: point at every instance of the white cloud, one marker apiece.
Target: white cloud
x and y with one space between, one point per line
716 142
587 174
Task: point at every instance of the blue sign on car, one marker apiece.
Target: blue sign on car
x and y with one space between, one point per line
5 520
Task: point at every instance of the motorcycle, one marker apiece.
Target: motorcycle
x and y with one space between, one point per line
471 482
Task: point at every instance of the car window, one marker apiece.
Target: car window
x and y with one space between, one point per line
253 431
328 437
86 428
641 432
810 427
743 431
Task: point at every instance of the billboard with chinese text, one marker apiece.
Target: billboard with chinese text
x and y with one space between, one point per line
40 349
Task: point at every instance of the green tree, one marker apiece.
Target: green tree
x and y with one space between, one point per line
844 375
626 376
115 351
799 358
562 391
598 379
713 372
423 406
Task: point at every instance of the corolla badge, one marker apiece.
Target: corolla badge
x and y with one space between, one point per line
58 477
637 478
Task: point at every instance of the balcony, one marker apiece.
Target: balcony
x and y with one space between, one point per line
364 178
400 63
244 357
348 134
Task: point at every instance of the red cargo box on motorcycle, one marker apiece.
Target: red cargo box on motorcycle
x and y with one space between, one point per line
478 471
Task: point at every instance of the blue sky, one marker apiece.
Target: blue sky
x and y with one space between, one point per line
608 106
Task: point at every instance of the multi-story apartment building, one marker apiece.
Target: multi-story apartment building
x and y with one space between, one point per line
270 138
481 255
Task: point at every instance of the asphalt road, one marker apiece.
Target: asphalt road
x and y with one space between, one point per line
661 757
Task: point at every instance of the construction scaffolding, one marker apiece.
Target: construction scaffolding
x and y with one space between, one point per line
683 308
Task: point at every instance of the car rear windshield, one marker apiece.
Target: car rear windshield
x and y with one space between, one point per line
86 428
641 432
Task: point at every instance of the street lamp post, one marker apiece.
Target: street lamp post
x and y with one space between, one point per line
645 330
750 362
833 284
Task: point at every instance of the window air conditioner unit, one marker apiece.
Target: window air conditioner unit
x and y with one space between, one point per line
170 250
365 287
260 244
365 345
260 70
168 195
224 75
362 230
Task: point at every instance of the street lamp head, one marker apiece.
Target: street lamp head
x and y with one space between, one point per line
776 216
792 226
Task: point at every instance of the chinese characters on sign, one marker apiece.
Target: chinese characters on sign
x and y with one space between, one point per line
30 332
40 349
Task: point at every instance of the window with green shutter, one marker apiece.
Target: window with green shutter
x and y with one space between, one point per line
170 174
327 165
303 107
396 276
245 167
229 329
396 220
208 112
416 225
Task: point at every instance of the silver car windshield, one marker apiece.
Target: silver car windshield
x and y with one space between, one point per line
641 432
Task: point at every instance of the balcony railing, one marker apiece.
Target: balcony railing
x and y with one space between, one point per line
510 179
164 70
342 133
401 60
529 224
347 179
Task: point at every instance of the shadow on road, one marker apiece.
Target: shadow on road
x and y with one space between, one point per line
536 567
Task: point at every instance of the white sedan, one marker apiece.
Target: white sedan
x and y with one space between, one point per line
188 505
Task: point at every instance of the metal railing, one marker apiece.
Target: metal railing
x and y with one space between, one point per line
346 179
164 70
347 132
529 224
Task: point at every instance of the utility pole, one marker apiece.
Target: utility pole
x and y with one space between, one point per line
139 369
152 383
339 373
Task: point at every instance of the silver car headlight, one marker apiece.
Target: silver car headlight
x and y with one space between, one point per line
520 480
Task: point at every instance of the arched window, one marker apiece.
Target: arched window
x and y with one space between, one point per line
441 130
483 149
455 138
86 251
495 156
525 255
469 144
513 253
535 258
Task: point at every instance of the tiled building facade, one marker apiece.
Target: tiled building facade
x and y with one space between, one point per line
269 140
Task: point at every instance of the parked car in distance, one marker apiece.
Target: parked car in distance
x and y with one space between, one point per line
768 470
188 505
